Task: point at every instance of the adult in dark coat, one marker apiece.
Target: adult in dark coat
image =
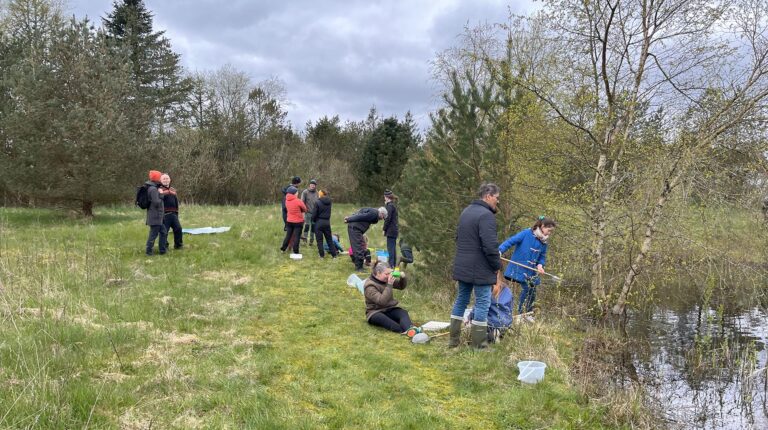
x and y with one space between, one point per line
321 218
357 224
155 213
476 265
391 226
171 209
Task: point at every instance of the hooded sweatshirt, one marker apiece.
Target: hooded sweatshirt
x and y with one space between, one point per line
295 207
322 209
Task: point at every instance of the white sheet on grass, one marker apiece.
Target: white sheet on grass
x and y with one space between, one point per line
205 230
435 325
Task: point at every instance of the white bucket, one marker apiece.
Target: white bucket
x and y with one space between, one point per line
531 372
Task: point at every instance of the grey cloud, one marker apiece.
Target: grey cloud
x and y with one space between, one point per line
336 57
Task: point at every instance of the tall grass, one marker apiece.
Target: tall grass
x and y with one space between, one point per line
230 333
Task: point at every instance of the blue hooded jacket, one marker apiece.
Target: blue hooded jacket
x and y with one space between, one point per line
530 251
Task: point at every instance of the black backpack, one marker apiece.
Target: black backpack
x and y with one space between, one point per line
142 196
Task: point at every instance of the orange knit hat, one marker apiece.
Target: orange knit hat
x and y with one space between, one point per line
154 175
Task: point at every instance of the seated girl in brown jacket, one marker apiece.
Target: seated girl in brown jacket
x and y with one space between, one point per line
380 306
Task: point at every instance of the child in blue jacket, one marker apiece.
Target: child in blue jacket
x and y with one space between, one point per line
530 250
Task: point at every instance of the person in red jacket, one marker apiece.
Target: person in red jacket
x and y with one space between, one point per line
294 220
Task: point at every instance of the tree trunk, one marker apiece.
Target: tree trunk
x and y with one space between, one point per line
598 230
87 209
650 230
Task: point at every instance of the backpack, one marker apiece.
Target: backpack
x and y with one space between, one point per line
499 315
142 196
406 253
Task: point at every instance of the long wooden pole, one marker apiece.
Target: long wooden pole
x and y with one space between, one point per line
556 278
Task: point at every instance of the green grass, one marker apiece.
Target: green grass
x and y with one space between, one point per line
230 333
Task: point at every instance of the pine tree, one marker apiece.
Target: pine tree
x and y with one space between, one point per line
386 153
69 136
156 67
461 152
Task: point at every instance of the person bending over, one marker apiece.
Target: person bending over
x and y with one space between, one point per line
357 224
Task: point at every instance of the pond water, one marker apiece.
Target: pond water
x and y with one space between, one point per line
703 367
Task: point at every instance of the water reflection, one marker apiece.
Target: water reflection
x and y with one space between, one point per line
701 366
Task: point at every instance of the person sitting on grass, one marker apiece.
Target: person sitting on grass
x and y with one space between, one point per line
336 243
381 308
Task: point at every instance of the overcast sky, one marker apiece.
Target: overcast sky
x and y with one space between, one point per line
335 57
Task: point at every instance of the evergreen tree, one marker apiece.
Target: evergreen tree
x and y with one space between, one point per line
462 151
69 135
156 67
386 153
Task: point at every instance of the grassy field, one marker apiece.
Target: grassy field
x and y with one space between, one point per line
230 333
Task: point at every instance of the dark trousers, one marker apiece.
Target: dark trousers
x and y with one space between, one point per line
323 229
358 245
527 296
392 250
154 232
292 233
309 227
171 222
395 319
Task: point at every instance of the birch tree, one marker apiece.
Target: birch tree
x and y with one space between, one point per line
703 63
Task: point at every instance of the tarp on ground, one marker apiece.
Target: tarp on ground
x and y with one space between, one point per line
206 230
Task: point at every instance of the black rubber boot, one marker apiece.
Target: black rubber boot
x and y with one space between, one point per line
455 336
479 335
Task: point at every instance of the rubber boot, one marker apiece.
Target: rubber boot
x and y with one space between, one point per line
479 334
455 336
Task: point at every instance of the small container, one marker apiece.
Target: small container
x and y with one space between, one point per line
531 372
354 281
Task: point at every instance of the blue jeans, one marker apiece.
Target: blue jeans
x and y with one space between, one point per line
482 300
527 297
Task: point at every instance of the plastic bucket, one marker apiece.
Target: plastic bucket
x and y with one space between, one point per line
354 281
531 372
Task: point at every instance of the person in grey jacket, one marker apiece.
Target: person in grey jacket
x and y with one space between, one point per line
155 213
476 264
309 196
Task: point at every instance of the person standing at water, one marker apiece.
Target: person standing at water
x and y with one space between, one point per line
391 226
171 211
357 224
294 219
155 213
530 250
476 265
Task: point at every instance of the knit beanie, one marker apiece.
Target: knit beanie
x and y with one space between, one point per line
291 190
154 175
